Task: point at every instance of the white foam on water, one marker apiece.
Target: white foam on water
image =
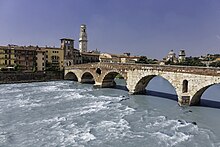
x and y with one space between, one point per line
92 107
173 140
49 88
96 120
3 137
75 135
166 133
110 98
174 132
9 91
112 130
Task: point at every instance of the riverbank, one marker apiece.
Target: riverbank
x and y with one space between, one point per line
27 77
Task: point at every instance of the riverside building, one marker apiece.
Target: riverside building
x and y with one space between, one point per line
35 58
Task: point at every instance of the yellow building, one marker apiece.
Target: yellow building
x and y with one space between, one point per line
7 56
217 59
54 58
88 57
40 59
25 57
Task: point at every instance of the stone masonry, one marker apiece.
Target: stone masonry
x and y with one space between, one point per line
189 82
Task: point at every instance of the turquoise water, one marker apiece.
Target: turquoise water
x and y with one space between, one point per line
66 113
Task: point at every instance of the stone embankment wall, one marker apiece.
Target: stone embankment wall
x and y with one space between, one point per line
23 77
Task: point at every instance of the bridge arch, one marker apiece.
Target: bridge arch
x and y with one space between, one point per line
197 97
141 85
71 76
87 77
109 77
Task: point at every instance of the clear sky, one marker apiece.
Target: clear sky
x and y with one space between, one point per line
141 27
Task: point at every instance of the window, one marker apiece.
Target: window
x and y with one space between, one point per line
5 61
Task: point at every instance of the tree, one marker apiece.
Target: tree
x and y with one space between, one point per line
215 64
145 60
191 61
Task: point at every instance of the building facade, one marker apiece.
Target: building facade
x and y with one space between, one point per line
71 55
25 57
54 58
113 58
7 56
40 59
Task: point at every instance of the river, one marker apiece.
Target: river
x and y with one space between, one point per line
67 113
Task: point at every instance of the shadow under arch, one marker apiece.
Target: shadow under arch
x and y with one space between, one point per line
71 76
87 78
114 79
141 87
197 99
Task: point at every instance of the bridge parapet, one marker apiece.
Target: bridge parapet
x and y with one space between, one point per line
168 68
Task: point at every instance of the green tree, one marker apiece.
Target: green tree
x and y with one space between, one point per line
145 60
191 61
215 64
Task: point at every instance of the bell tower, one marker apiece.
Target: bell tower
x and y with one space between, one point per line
83 38
68 46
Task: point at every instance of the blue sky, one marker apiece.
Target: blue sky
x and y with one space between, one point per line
142 27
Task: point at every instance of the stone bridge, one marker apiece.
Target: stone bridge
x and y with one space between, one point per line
189 82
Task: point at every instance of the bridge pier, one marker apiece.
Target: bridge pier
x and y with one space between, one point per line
184 99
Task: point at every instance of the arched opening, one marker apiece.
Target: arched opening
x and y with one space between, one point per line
98 71
88 78
114 80
185 86
156 86
208 96
71 76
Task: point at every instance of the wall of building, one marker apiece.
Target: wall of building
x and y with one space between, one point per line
7 56
25 57
40 60
55 57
